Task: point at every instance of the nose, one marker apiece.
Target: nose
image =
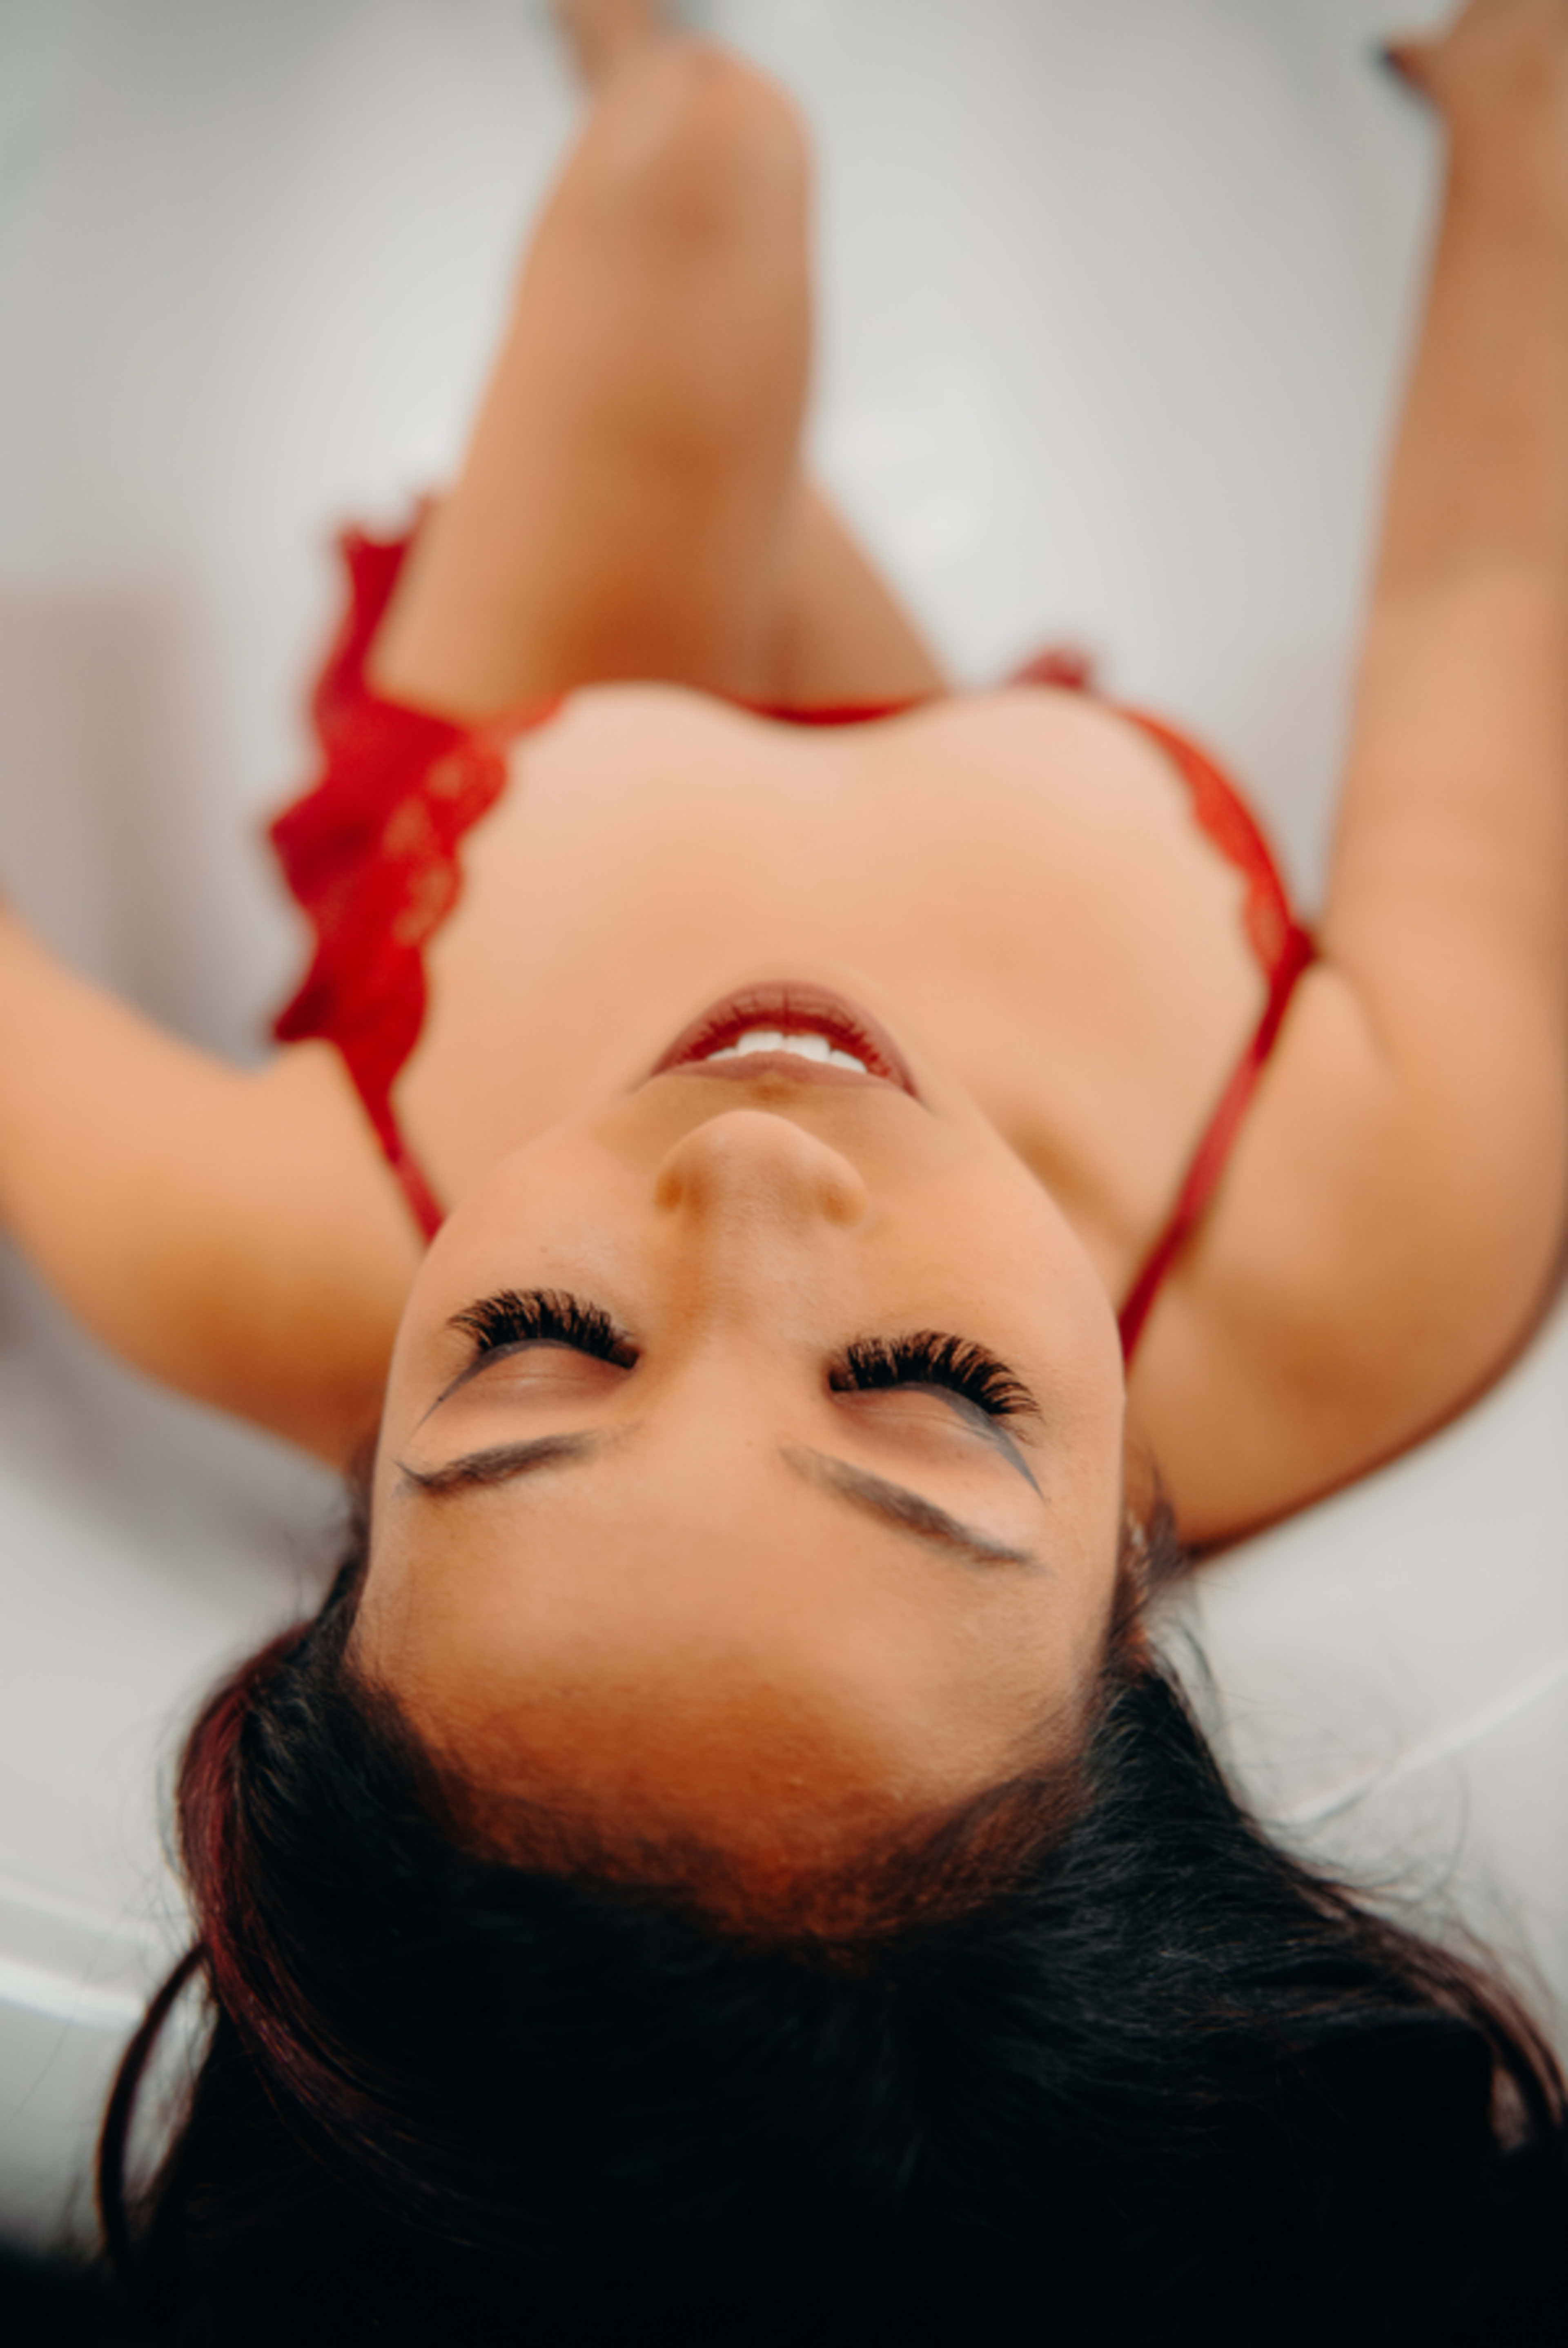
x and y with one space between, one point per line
750 1171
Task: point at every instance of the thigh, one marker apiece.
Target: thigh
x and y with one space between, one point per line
629 493
839 631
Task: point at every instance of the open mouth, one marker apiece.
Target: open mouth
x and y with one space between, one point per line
805 1033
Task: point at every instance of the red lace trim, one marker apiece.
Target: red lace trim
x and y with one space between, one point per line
371 854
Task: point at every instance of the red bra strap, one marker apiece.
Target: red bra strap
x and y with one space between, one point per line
1285 950
1209 1159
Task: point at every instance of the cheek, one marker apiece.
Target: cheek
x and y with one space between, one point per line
516 1229
991 1216
997 1259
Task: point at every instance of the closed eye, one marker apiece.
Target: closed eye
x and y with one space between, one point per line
981 1388
514 1321
960 1370
929 1357
543 1317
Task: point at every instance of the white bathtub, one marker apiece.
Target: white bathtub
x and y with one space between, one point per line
1114 292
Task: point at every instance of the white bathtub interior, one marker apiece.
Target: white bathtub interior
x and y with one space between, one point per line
1115 298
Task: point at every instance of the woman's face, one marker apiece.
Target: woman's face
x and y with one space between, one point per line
670 1511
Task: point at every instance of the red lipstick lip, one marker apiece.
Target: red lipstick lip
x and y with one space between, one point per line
793 1008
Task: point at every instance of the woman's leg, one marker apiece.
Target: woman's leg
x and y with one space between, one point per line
629 505
839 632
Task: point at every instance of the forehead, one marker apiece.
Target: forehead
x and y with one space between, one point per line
754 1652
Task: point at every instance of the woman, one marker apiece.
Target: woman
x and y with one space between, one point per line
725 1821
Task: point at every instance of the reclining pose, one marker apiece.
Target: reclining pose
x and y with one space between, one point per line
792 1191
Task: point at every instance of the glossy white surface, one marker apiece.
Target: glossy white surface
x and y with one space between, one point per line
1115 297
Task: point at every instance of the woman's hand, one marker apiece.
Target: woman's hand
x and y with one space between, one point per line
1498 61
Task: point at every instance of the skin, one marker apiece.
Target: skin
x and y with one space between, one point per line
1053 943
701 1608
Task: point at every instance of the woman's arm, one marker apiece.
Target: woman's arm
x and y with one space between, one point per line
1395 1213
1447 903
231 1234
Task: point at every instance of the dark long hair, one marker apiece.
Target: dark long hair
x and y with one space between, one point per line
1115 2058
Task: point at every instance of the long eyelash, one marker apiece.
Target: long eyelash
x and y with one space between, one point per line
544 1316
928 1358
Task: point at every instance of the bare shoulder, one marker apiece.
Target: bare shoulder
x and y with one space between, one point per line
1384 1240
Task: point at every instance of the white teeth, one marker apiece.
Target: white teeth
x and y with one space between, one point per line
802 1042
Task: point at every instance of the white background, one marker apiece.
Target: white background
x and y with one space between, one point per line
1116 295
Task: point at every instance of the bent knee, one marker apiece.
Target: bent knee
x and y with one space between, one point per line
697 146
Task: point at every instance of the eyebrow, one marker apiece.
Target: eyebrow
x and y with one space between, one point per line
893 1505
906 1511
501 1463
